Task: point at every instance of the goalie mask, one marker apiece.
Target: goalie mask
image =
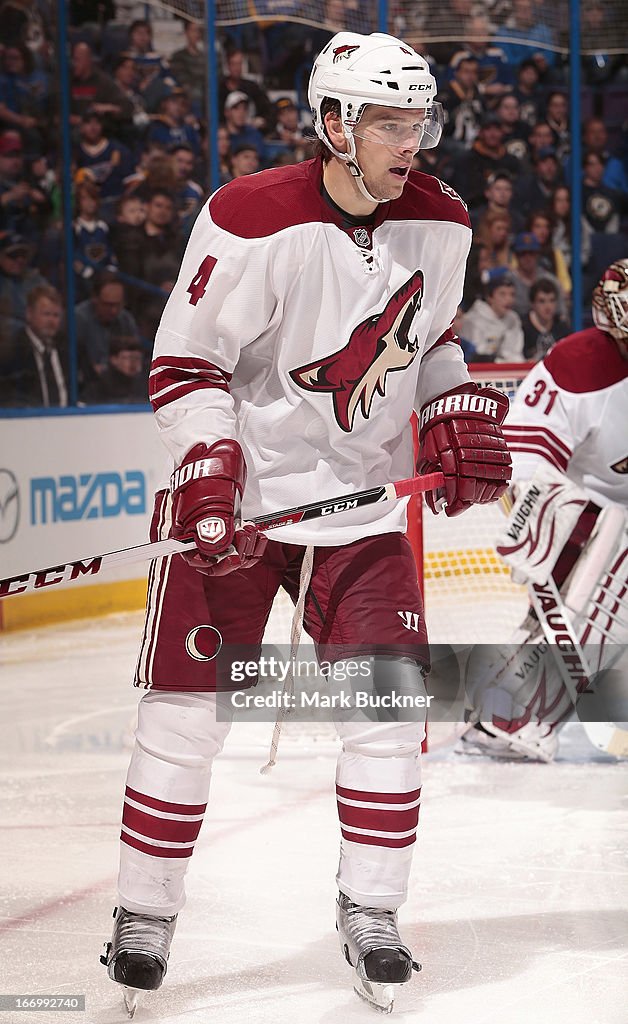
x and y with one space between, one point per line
358 70
610 301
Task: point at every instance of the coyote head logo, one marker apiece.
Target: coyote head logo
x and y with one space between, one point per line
378 345
344 52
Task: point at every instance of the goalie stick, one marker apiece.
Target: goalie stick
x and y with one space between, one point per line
69 572
572 663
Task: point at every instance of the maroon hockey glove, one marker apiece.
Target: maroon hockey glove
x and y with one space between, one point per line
460 433
206 492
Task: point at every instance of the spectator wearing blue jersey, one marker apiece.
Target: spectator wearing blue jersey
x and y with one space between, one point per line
92 247
101 159
495 73
524 37
170 127
241 131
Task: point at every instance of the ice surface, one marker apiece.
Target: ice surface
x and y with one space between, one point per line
517 908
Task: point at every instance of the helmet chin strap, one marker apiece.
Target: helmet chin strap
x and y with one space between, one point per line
352 165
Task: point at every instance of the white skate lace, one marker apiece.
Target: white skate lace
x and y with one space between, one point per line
295 639
371 928
141 933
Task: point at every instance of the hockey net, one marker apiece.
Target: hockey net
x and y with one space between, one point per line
469 596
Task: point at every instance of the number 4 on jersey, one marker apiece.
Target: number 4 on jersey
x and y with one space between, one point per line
198 284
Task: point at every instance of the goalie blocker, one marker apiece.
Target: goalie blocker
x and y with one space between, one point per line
572 648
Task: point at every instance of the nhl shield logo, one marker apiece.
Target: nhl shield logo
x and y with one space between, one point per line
212 529
362 237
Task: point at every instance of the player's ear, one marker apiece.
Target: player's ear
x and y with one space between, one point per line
335 133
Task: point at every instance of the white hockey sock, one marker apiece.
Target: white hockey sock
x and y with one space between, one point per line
167 786
378 789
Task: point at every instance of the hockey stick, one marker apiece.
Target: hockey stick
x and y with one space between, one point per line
572 663
71 571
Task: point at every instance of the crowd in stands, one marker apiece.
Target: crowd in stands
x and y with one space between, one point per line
141 140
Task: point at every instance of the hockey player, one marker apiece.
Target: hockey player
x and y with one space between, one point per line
312 313
570 416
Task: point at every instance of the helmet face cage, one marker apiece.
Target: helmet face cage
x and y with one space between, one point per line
610 301
376 69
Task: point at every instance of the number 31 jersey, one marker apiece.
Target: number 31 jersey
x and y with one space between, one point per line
572 411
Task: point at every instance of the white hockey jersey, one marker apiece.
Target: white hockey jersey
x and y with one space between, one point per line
310 342
572 411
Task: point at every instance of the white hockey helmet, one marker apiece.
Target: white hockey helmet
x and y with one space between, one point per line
610 301
357 70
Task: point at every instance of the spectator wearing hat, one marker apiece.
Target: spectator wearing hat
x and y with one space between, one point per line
534 191
462 102
22 204
492 325
244 160
97 320
486 156
600 205
189 66
170 127
40 349
241 130
498 195
542 326
233 81
101 159
288 131
125 380
527 270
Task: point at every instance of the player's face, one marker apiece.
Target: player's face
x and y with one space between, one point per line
386 140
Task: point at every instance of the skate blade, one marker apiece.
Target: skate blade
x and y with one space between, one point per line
381 997
131 998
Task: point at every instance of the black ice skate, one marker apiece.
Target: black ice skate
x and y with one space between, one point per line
371 944
137 956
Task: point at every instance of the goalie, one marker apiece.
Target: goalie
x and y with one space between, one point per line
566 538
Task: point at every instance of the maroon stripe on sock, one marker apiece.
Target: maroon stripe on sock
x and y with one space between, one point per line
393 844
164 805
166 830
378 798
154 851
382 821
